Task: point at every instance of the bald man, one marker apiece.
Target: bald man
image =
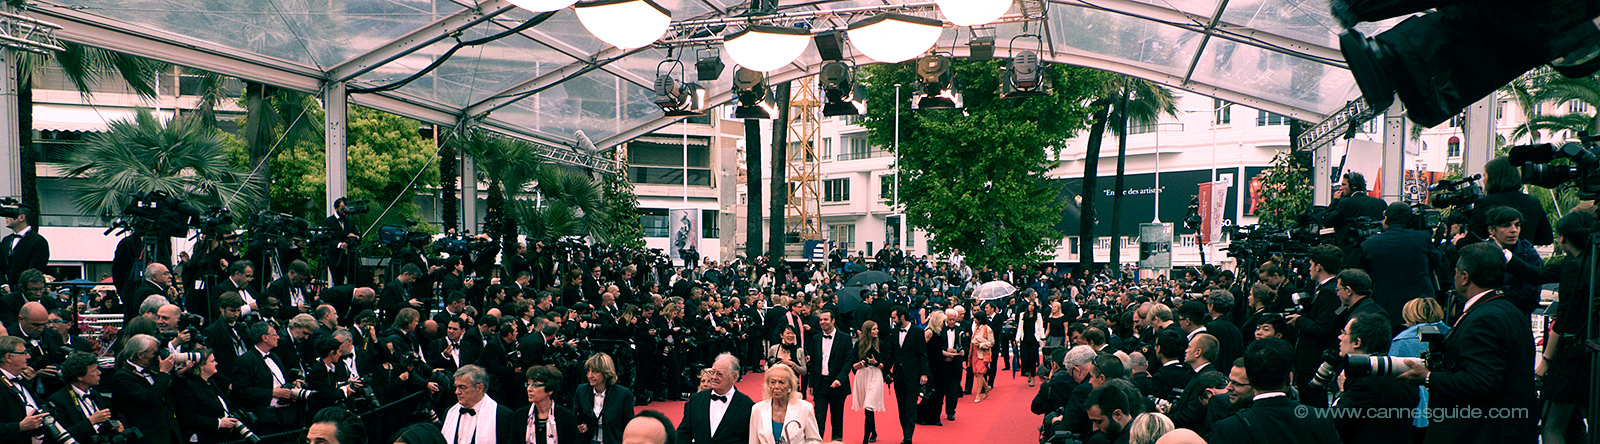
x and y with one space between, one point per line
648 427
157 282
43 349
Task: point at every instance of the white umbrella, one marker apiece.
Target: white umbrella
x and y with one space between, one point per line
993 290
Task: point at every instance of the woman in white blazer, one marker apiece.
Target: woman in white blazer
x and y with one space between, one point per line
790 417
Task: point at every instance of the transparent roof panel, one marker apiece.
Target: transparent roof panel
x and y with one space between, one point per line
1122 38
588 103
472 73
1275 77
1306 20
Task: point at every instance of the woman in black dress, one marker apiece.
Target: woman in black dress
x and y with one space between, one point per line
1055 330
1029 326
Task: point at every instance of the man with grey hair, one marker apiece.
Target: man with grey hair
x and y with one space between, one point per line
151 308
157 282
1230 341
139 389
1069 386
477 418
707 411
952 347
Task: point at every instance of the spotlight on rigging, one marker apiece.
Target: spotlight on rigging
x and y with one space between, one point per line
751 89
838 81
708 64
981 45
935 84
1024 75
676 98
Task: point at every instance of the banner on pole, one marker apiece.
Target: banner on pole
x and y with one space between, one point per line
683 224
1213 209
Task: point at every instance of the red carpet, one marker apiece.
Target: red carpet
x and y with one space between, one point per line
1003 417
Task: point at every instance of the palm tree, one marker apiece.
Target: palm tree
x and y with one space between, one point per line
1122 100
573 205
1140 103
183 158
508 165
83 66
1543 86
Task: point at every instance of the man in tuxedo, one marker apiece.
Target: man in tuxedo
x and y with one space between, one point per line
1273 416
1230 341
1351 202
1173 375
79 407
1189 412
397 295
43 349
21 411
1368 334
1402 262
259 380
1485 356
223 336
908 368
450 352
157 281
348 300
719 415
340 253
23 249
30 287
290 291
830 352
952 348
477 418
139 390
1322 310
241 274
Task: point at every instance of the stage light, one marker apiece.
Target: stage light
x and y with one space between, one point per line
676 98
838 81
542 5
625 24
766 48
1024 75
894 38
751 89
981 47
708 65
972 12
935 84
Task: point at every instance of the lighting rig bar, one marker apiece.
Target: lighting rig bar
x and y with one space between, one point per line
684 33
27 34
1355 113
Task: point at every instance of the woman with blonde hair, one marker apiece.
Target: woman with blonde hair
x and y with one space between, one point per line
1148 427
868 383
783 418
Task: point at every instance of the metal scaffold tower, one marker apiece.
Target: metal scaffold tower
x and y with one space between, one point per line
804 211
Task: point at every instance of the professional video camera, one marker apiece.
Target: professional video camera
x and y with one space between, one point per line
1460 193
1540 167
10 207
458 245
270 229
400 236
360 206
161 214
361 399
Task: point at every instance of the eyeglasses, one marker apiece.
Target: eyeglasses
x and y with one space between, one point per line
535 385
1232 382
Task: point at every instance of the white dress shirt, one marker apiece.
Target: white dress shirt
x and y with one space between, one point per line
719 408
827 348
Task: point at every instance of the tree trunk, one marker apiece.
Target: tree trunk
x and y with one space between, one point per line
752 185
1091 166
450 206
776 235
29 158
258 125
1116 200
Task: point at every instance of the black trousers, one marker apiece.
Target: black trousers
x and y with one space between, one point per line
829 403
905 398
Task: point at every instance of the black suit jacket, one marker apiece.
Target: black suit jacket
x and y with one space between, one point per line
1346 209
252 381
696 425
1313 336
908 362
66 412
32 251
566 425
224 340
1401 263
1190 412
12 406
145 289
840 356
281 289
1487 350
1230 341
199 408
1275 421
143 404
1379 392
469 354
614 415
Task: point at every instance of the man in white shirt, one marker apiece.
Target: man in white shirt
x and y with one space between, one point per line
719 415
476 418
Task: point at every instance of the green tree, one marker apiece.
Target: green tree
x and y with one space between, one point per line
1139 103
183 158
623 207
975 179
1285 191
509 166
571 204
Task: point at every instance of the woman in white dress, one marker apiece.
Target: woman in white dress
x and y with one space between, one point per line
868 385
783 418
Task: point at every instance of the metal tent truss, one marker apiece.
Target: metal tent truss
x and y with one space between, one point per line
550 81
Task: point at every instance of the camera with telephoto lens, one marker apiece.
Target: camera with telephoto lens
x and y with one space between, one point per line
1551 165
55 430
179 358
361 398
360 206
1056 431
244 431
10 207
126 436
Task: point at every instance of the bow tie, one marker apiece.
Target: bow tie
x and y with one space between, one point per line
468 411
827 336
719 398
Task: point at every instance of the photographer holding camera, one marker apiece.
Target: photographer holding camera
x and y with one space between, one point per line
263 385
1485 361
1322 309
340 252
139 389
21 415
1368 334
1351 202
79 407
1503 185
1401 261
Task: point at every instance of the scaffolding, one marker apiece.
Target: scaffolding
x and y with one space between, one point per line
803 214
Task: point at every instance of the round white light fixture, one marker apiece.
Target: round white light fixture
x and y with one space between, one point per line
542 5
971 12
625 24
894 38
766 48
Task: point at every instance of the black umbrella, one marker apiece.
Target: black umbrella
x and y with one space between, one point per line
868 277
857 267
849 298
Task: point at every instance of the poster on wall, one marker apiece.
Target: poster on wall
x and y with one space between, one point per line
1155 246
683 231
1213 209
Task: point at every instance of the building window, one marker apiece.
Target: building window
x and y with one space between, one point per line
911 237
1072 244
1264 118
708 224
1458 120
1142 128
827 148
52 146
1454 147
844 236
836 190
1499 110
1577 106
662 163
852 148
654 221
1223 111
886 187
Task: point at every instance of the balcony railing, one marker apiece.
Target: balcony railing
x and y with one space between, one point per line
864 154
